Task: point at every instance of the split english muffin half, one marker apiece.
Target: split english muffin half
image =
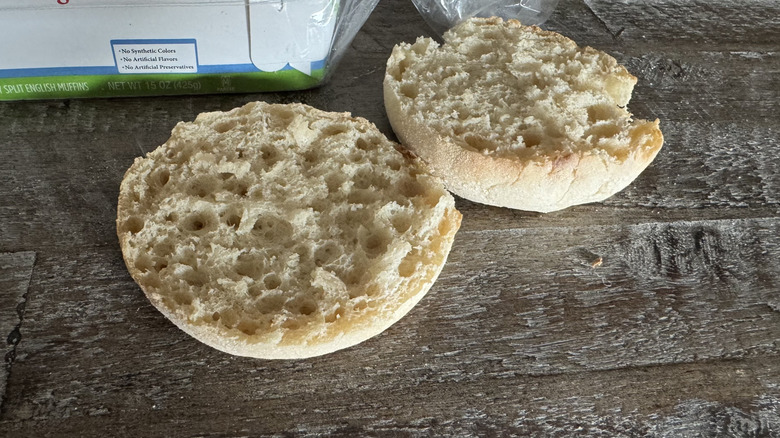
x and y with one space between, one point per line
514 116
283 231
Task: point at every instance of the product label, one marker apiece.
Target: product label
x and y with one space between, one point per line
47 87
101 48
155 56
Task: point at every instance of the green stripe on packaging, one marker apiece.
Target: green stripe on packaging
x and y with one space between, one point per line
62 87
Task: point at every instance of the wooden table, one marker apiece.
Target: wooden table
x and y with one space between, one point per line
654 313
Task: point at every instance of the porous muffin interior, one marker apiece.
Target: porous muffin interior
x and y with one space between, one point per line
516 91
282 224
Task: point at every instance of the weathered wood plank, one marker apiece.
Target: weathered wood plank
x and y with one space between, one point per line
524 331
721 171
15 272
734 398
661 293
710 88
672 23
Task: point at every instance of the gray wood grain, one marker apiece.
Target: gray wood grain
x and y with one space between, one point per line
654 313
734 173
15 272
676 328
593 404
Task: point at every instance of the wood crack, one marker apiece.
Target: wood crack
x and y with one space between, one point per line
16 335
20 266
644 223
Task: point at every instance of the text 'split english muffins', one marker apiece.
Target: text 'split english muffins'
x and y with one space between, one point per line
282 231
518 117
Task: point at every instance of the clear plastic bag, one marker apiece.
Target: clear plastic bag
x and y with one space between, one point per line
443 14
302 34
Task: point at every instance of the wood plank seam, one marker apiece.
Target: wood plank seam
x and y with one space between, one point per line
615 35
648 223
15 336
